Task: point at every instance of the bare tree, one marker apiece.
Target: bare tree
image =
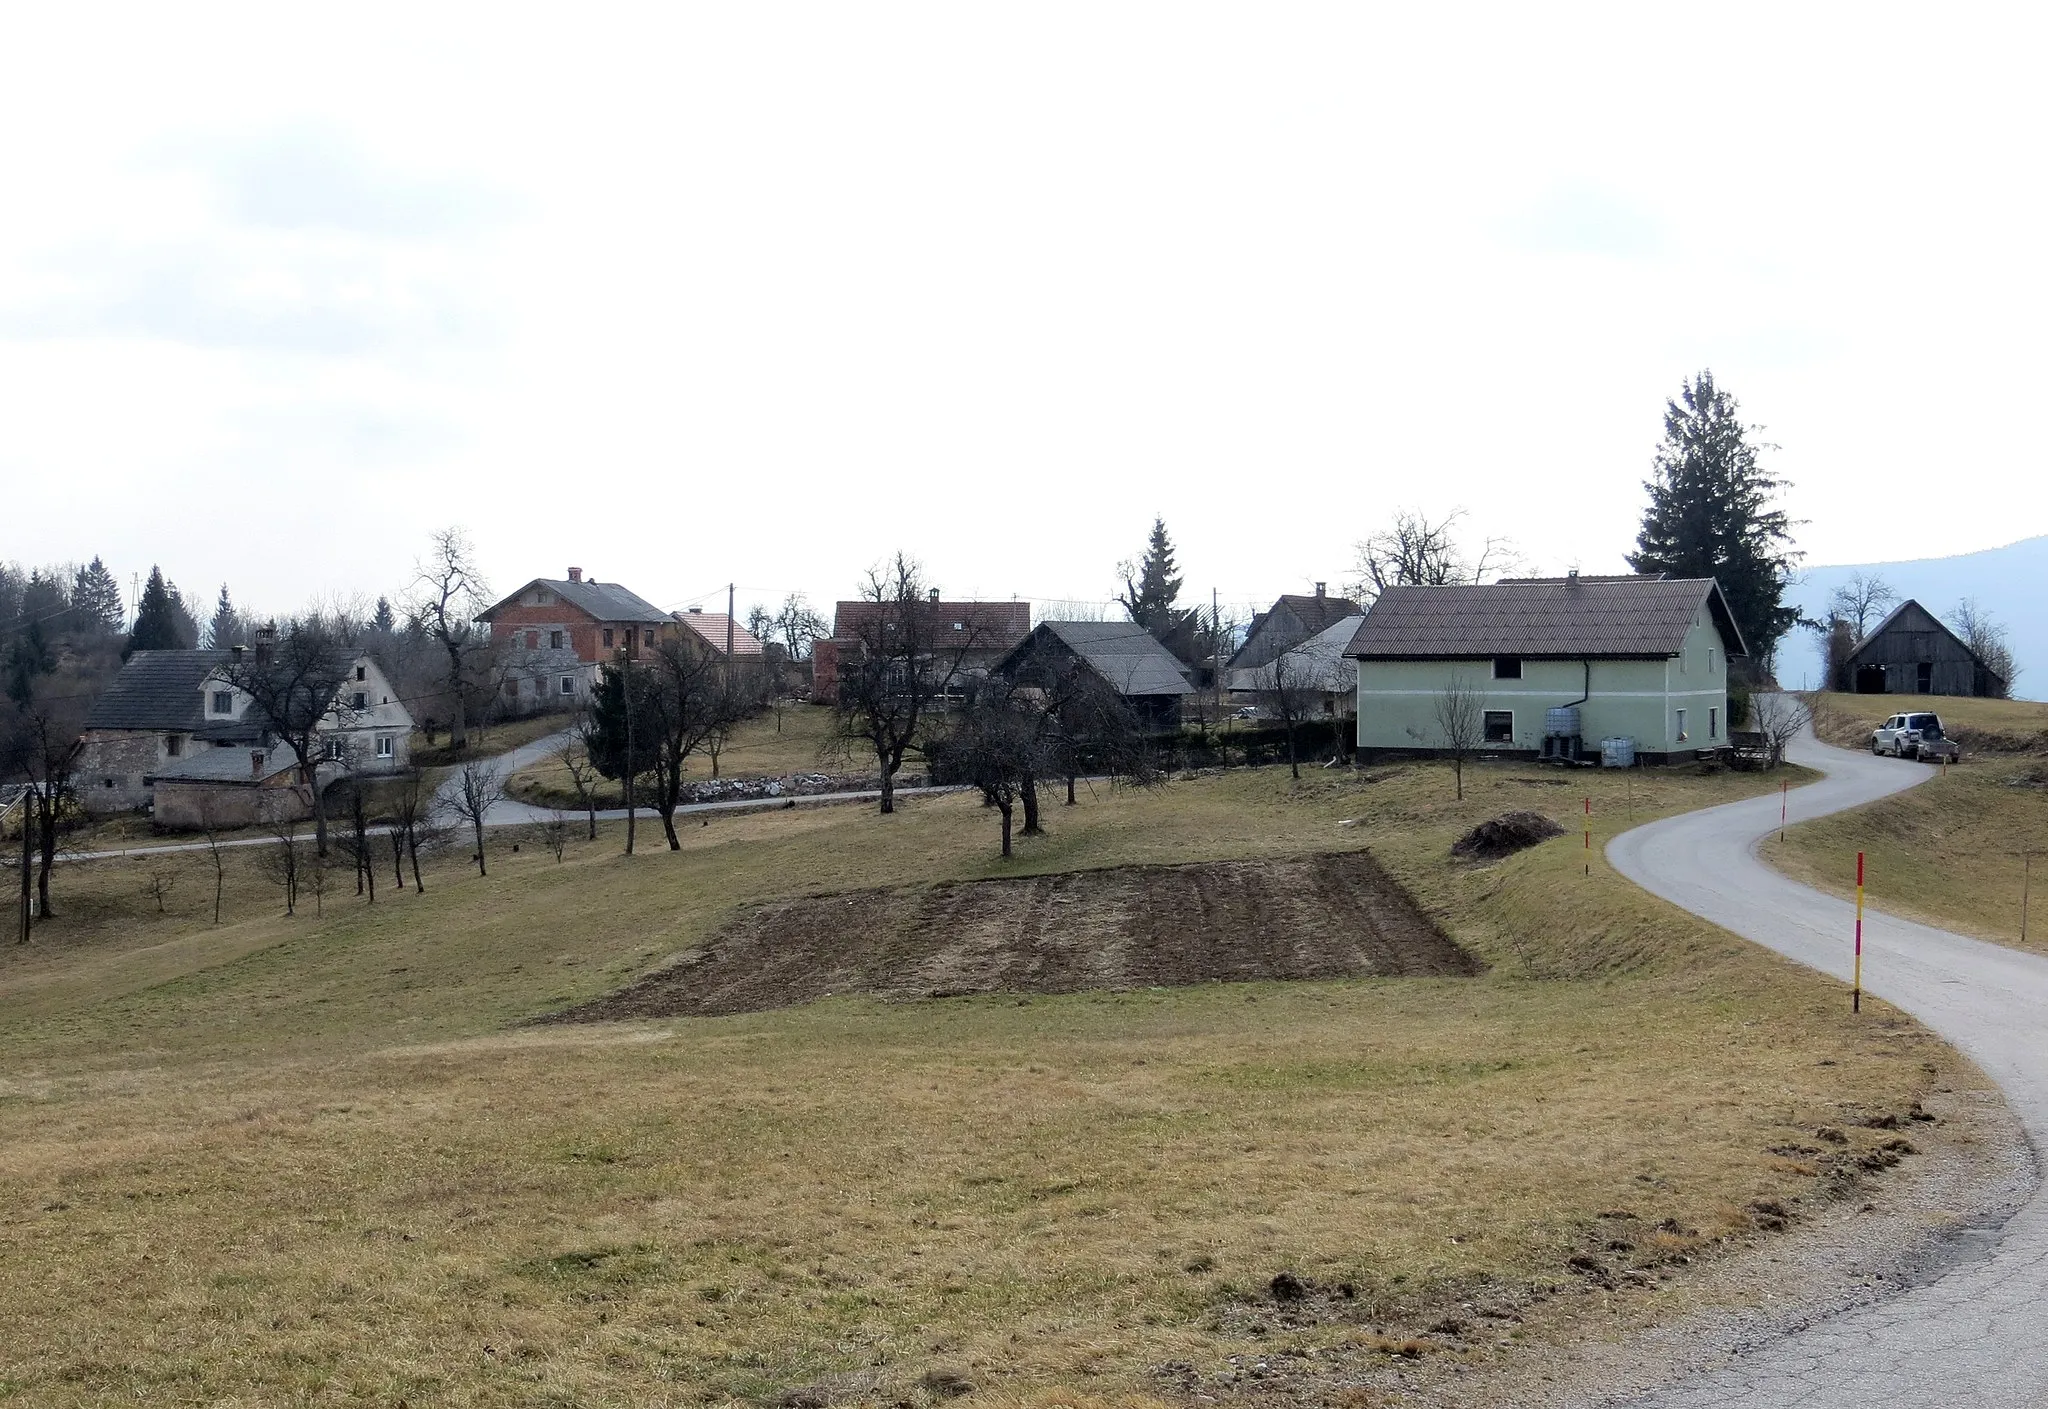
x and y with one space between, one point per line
797 627
447 593
284 863
1986 637
293 677
1461 721
161 881
583 775
1779 718
1287 690
216 850
552 833
690 704
415 820
995 744
1413 551
481 787
360 845
1862 601
41 713
899 663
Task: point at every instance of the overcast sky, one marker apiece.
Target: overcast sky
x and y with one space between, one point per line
762 292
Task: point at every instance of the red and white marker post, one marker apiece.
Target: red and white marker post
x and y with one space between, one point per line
1856 989
1589 836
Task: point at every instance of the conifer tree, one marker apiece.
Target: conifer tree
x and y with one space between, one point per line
1713 513
1152 588
96 603
385 621
226 629
161 621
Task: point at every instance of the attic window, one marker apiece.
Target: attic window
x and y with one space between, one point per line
1507 667
361 673
223 701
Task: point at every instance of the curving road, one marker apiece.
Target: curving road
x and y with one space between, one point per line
1979 1334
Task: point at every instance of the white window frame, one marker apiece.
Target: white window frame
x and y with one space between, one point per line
568 684
1681 730
386 746
1485 737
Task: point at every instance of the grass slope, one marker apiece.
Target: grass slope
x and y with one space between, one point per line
795 738
1948 852
293 1160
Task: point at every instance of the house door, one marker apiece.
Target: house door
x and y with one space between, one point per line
1925 678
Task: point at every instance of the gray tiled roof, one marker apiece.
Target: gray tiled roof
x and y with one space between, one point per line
156 690
1123 653
1610 617
604 601
228 765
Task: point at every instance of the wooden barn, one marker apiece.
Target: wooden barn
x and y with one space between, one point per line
1912 653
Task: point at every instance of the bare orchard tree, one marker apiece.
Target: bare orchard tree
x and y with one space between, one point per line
446 594
899 661
551 833
216 849
1862 602
1461 723
687 703
1288 692
744 687
42 710
797 627
576 761
1780 718
1081 723
416 823
360 844
480 786
293 677
995 744
1415 551
159 882
1986 637
283 861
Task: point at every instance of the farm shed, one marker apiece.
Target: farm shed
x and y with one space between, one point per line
1912 653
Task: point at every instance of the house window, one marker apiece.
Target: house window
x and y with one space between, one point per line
607 636
1500 726
1710 660
384 745
1507 667
362 673
335 750
174 745
1682 735
568 684
358 700
223 701
647 637
554 640
1714 722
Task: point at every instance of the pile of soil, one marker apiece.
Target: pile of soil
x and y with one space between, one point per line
1310 917
1504 836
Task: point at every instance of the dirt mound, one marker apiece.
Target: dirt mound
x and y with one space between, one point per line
1311 917
1504 836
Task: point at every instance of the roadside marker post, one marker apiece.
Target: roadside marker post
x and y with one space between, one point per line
2026 885
1784 802
1589 836
1856 991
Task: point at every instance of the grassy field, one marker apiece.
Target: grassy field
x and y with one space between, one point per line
318 1158
1950 851
796 739
486 740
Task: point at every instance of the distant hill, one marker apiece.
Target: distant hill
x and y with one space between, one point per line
2011 583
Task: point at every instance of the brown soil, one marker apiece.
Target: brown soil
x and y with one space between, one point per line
1505 835
1310 917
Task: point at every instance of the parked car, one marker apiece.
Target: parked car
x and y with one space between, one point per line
1915 736
1247 712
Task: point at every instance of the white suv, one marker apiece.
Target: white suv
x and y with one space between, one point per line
1912 736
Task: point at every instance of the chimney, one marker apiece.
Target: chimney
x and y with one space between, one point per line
266 644
236 653
696 611
1319 588
256 764
575 574
935 596
1571 577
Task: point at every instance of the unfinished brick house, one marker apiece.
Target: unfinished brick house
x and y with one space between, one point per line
557 631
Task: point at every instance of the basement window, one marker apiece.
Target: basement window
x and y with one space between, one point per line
1500 725
1507 667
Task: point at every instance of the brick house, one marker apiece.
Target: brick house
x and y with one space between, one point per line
716 630
557 631
172 714
989 630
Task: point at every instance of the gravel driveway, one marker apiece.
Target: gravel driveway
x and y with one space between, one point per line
1977 1335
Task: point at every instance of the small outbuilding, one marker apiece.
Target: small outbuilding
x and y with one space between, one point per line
1149 678
1912 653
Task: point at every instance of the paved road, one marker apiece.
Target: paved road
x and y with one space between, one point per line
1979 1334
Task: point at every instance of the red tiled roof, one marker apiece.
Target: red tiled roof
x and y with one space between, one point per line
711 626
995 625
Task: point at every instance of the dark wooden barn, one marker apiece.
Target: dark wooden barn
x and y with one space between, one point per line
1912 653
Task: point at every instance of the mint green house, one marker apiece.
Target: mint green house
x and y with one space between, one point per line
1641 658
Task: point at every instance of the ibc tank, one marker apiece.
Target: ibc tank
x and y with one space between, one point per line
1564 719
1617 753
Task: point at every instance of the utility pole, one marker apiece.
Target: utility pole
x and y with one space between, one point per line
27 856
728 625
1216 648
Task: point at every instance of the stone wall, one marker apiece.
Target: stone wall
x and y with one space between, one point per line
112 764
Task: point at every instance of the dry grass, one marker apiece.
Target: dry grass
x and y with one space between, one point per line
293 1160
1997 726
486 740
795 739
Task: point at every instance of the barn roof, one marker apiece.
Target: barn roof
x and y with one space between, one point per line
1124 653
1615 617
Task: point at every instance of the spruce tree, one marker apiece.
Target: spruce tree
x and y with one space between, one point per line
1152 589
225 629
1712 513
605 731
161 621
96 604
385 621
